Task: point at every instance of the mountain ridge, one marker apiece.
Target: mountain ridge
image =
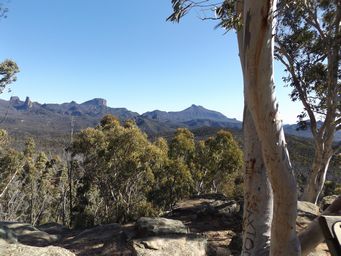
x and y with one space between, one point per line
28 117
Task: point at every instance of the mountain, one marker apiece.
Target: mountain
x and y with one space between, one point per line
194 112
192 118
292 129
23 118
27 118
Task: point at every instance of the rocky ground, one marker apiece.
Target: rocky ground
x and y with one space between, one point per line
200 226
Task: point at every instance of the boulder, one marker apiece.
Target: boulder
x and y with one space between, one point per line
226 208
307 209
28 234
159 226
25 250
306 212
326 201
218 242
7 235
53 228
184 245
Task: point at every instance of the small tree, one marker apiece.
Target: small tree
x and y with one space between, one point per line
117 166
8 71
217 164
308 44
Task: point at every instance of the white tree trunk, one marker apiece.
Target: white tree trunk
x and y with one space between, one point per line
257 54
317 176
258 206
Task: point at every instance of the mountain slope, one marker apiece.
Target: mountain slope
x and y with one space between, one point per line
292 129
22 118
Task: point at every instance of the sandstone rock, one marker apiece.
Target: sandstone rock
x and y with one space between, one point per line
170 245
53 228
218 242
27 234
25 250
326 201
307 209
226 208
306 212
6 235
320 250
159 226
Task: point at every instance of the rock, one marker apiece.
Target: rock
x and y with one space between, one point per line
307 209
236 244
320 250
7 235
27 234
306 212
159 226
218 242
326 201
170 245
100 233
226 209
53 228
14 100
27 104
25 250
205 205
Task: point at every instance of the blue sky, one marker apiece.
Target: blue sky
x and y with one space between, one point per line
125 52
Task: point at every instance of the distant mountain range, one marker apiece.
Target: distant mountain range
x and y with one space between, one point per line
31 118
292 129
23 118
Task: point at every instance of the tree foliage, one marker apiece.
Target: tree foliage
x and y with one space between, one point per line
123 175
308 43
8 71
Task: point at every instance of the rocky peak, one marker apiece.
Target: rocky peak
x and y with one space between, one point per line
28 103
96 102
14 100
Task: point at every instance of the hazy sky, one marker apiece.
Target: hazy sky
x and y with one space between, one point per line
125 52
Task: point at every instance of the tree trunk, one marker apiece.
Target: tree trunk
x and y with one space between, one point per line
258 206
317 177
257 51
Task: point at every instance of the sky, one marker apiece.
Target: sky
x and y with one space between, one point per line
126 53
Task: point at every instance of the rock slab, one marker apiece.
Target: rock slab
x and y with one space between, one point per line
159 226
164 246
25 250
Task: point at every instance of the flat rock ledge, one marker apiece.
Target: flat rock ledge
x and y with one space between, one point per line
170 245
159 226
161 236
26 250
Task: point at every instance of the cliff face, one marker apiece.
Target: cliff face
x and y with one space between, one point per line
27 104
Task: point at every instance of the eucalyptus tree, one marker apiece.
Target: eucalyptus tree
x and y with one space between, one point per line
8 71
308 42
116 171
254 21
8 68
217 164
